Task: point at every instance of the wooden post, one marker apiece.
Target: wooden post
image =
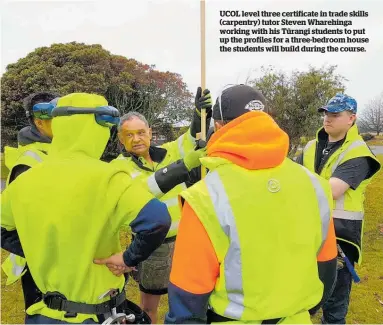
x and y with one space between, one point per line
203 76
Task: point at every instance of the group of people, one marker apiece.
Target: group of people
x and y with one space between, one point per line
253 241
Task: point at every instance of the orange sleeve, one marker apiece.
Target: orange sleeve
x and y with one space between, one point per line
329 250
195 266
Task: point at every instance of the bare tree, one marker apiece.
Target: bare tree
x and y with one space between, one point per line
371 118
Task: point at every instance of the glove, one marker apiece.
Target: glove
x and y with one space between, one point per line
192 159
203 102
202 143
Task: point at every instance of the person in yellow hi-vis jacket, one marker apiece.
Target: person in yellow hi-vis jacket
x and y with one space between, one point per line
69 243
33 146
340 155
142 160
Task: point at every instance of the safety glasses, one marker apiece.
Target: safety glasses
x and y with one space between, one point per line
43 111
108 116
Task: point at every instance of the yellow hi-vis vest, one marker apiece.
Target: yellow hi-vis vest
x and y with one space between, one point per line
267 227
175 150
29 155
349 208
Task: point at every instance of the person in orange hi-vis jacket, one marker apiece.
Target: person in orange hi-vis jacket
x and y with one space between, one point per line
256 240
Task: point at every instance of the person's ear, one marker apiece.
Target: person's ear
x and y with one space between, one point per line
218 125
39 123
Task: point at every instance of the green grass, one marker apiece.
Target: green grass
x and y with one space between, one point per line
366 306
376 141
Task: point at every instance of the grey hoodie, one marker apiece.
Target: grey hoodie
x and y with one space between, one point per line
30 134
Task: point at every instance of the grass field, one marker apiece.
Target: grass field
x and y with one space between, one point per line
376 141
366 306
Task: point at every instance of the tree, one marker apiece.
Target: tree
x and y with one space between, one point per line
371 118
167 131
295 98
77 67
163 98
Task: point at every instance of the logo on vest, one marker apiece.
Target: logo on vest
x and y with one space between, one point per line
273 185
255 105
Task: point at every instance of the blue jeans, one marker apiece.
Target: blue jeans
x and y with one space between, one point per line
336 307
40 319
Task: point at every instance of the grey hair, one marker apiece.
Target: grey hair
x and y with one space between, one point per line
129 116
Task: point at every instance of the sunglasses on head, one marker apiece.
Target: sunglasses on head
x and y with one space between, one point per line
43 111
108 116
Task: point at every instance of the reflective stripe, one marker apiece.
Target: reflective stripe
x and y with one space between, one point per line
33 155
339 204
353 145
16 269
191 138
174 225
341 213
233 263
153 186
308 145
171 202
348 215
324 207
181 146
183 185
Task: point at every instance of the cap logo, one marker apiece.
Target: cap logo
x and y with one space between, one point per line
255 105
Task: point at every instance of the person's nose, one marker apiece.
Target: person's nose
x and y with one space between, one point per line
136 137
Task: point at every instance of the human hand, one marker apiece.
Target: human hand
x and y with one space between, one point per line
115 264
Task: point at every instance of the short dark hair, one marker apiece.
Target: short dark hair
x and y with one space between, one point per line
35 98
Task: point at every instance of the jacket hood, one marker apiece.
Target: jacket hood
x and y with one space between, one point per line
79 134
252 141
29 135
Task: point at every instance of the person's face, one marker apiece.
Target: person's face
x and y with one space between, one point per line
135 135
338 123
44 127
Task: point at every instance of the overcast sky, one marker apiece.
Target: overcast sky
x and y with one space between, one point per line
167 34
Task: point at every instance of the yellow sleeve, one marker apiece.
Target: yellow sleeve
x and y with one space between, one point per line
182 145
133 196
7 220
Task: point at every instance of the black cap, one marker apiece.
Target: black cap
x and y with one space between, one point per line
238 100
